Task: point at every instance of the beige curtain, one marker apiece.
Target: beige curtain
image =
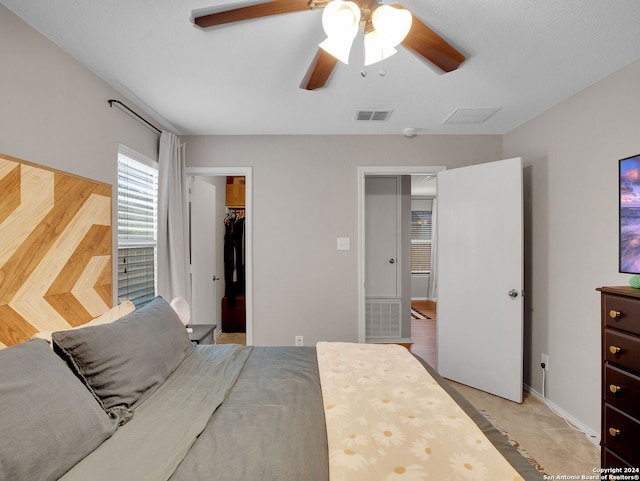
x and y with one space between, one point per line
174 279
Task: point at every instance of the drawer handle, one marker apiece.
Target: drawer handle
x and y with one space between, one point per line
613 314
614 349
614 389
614 432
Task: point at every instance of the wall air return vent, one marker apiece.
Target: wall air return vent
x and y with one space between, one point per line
382 319
372 114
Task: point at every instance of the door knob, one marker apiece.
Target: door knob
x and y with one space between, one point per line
392 261
513 293
216 278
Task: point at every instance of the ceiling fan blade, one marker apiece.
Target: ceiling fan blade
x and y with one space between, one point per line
274 7
428 44
319 71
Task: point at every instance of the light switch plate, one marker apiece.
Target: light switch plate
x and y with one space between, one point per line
344 244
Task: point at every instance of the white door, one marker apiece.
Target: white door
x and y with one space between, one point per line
480 278
381 234
204 277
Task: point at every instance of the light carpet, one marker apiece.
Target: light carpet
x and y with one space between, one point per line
525 454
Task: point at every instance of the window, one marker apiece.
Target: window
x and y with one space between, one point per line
137 227
421 229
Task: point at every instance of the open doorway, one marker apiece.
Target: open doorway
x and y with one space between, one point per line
219 177
423 251
426 174
489 258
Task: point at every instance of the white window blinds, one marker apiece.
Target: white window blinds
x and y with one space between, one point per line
137 227
421 231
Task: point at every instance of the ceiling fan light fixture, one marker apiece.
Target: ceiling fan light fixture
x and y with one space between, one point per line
339 48
340 21
375 50
392 24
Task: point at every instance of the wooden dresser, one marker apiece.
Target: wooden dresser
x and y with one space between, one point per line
620 436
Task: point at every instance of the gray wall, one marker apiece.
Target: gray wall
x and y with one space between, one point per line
305 194
54 112
571 186
405 255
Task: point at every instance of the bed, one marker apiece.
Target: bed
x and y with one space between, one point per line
133 399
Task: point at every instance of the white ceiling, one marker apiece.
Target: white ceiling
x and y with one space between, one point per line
523 56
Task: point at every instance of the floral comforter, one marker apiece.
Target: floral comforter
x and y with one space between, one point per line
387 419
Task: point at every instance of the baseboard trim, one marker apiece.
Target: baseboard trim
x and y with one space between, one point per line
591 435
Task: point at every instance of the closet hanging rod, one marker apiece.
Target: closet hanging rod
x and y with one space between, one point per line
145 121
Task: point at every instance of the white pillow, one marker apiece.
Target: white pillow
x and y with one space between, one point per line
113 314
182 308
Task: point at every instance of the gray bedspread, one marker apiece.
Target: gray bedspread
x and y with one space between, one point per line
165 425
270 427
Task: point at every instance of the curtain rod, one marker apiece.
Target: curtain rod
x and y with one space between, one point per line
146 122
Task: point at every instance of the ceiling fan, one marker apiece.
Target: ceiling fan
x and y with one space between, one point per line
384 27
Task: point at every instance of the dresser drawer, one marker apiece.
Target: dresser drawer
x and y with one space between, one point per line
622 349
612 460
622 434
622 313
622 390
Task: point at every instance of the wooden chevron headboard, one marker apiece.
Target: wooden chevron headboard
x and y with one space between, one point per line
55 250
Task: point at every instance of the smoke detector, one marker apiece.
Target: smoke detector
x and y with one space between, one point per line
410 132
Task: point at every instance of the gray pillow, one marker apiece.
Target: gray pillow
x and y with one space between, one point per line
123 362
48 419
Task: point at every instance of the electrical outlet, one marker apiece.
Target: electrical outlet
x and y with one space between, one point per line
545 359
299 341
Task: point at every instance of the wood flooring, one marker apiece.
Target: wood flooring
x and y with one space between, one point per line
423 333
232 338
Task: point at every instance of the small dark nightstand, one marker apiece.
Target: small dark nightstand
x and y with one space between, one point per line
202 333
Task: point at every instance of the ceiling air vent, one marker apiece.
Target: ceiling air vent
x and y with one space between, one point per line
469 116
372 114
